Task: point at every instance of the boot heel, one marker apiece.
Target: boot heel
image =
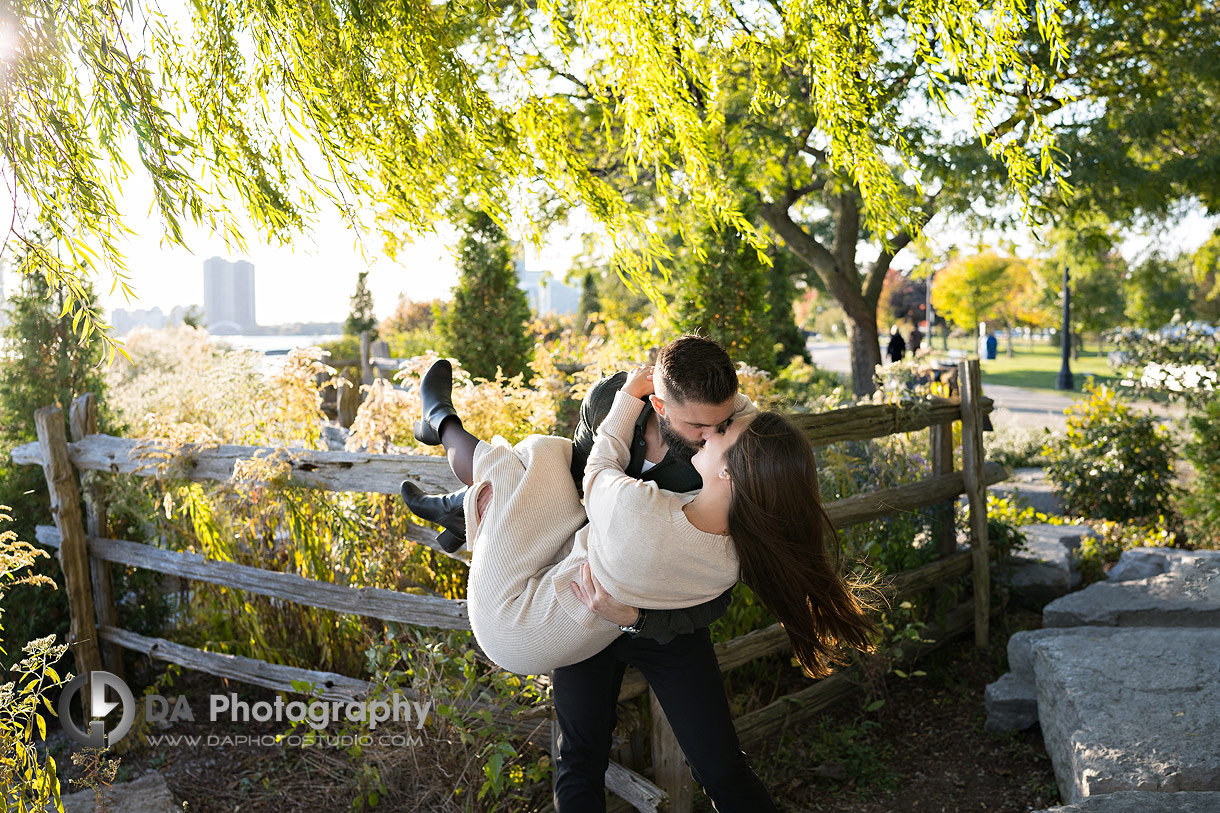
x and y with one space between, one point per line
449 541
426 435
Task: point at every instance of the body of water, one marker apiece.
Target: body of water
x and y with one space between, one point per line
276 345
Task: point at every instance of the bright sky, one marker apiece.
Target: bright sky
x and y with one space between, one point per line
310 280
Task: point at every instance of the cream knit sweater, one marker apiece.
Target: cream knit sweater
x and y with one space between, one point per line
533 539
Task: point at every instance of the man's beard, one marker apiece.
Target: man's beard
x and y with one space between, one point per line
681 448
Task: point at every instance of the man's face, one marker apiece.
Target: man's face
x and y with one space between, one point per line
682 424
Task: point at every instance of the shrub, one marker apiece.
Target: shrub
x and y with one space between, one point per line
486 327
1180 363
28 782
803 386
1113 463
1113 538
1201 505
1020 446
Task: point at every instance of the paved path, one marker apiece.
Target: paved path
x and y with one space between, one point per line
1015 406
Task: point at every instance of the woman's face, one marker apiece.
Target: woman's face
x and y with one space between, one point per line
709 461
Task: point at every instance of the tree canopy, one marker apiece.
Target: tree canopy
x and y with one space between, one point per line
390 110
970 290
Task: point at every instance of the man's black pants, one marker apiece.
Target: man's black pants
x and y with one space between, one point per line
686 679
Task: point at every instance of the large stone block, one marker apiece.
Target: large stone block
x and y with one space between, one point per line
1129 708
1136 802
1143 563
1045 570
1012 703
1185 594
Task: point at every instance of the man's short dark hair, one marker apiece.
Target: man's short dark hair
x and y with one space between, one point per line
695 368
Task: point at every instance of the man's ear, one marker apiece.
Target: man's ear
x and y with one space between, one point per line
657 404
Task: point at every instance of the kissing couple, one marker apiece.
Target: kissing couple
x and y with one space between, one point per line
687 489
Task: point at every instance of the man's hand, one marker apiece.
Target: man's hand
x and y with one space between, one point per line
594 596
639 382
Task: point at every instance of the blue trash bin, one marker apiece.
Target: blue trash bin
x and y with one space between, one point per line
991 346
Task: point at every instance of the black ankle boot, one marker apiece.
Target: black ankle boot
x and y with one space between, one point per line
443 509
436 396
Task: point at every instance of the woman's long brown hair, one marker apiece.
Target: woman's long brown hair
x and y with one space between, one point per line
788 549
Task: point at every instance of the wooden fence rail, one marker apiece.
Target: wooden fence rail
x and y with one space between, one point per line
86 556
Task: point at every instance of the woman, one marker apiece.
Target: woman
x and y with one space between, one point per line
757 517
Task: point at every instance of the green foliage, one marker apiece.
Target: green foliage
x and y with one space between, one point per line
471 748
1140 139
41 364
863 757
361 317
1201 504
971 289
410 315
1004 521
1113 463
723 295
590 301
1158 288
29 779
410 343
786 338
1095 271
1112 538
801 386
890 544
485 329
345 348
1018 446
247 116
1180 363
1205 270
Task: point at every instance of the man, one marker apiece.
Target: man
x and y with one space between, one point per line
696 394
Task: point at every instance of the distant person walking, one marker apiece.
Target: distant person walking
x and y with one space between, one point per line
914 340
898 347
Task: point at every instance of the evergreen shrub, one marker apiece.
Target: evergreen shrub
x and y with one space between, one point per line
1113 462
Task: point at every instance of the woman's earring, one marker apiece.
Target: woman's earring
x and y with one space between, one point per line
724 473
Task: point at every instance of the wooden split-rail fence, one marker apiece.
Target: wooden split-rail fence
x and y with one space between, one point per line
86 552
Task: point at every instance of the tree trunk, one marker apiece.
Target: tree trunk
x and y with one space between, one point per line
1011 351
865 347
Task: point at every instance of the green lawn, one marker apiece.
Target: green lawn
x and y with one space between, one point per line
1037 367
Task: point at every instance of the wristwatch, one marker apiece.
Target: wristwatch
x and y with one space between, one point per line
634 629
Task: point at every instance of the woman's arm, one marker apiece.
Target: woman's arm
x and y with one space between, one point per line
605 479
659 625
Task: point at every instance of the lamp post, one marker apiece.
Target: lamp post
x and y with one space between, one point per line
1065 380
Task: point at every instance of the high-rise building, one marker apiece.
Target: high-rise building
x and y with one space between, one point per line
546 294
228 295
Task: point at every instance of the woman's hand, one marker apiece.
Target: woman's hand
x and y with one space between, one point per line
594 596
639 382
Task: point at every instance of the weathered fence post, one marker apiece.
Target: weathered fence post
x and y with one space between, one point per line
73 550
366 361
943 532
970 382
82 420
379 349
668 761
